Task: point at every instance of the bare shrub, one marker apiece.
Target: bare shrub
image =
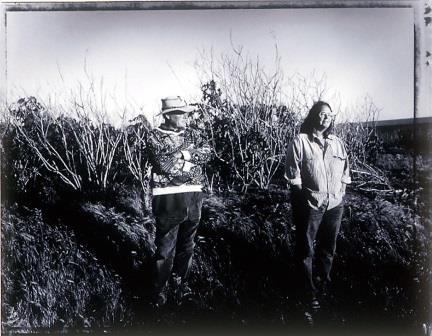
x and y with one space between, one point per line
134 151
47 139
97 143
75 144
19 165
301 91
363 146
247 124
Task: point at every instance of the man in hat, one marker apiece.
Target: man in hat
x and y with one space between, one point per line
177 153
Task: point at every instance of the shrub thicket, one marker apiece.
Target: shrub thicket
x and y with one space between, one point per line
249 141
248 128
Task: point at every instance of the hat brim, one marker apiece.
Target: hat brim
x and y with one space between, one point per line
179 110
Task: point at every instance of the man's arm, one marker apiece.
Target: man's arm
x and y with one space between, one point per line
162 158
346 178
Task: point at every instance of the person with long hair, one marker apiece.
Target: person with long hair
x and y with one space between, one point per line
317 171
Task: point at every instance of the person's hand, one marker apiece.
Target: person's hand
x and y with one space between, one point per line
179 164
179 161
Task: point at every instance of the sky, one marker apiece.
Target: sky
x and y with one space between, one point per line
143 56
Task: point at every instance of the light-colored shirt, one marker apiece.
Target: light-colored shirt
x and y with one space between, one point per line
320 166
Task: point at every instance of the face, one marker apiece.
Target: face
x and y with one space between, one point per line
179 120
325 117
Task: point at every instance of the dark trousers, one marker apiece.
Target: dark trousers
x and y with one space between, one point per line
316 234
177 218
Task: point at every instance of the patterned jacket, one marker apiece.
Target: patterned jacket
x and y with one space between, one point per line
177 159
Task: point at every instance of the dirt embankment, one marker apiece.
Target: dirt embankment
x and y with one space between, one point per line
91 267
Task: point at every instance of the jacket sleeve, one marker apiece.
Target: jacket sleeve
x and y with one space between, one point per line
346 178
161 156
294 156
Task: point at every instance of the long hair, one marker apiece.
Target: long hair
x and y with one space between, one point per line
311 119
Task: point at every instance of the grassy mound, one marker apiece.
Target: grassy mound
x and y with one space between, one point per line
50 280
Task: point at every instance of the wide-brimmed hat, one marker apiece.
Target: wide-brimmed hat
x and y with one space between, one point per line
175 104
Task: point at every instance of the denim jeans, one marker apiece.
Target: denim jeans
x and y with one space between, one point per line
177 218
316 234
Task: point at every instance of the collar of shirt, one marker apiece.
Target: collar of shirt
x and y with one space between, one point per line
313 138
328 141
168 131
329 136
